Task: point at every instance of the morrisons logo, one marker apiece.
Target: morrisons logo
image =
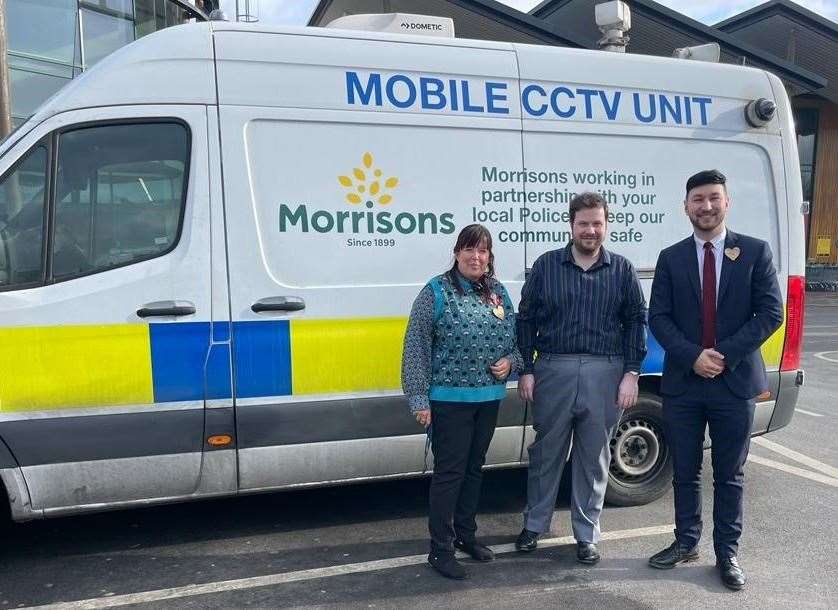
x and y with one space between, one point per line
325 221
366 186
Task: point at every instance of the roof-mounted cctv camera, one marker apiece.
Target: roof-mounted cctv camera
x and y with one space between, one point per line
760 112
613 16
613 19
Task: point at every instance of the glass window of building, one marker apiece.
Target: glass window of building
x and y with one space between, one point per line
50 41
153 15
145 18
30 90
806 121
42 28
103 33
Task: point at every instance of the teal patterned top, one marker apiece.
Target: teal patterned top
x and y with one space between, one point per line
452 340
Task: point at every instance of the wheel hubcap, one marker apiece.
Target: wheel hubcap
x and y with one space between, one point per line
635 449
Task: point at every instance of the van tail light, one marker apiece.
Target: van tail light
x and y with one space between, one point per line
794 324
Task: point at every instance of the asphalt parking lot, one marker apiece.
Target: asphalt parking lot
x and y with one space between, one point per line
364 546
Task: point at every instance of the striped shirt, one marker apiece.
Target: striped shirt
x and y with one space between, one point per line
567 310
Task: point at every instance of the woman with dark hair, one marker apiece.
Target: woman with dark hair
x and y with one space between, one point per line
458 351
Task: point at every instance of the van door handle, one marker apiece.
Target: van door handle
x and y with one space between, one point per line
278 304
166 308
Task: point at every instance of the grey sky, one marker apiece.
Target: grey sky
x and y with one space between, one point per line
297 12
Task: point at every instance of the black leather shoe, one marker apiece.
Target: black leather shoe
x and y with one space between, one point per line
731 572
475 550
586 552
672 556
527 541
447 565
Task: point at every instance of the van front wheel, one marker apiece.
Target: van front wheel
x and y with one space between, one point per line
641 461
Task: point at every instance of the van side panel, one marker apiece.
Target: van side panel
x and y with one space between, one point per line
349 206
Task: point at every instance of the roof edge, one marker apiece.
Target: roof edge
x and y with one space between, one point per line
774 7
541 10
532 23
788 69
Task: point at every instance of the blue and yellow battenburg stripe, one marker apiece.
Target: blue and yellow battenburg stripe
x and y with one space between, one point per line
56 367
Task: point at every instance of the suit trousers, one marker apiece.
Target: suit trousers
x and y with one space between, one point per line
575 400
460 437
709 403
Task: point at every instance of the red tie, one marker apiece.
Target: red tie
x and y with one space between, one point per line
708 297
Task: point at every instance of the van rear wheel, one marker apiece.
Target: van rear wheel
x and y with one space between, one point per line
641 460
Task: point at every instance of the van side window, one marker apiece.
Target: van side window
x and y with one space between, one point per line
23 196
119 197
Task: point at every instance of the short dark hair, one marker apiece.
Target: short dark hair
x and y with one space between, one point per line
587 201
708 176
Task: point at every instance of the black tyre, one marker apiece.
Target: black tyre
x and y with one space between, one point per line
5 513
641 461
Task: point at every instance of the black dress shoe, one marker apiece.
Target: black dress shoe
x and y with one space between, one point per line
527 541
672 556
447 565
731 572
475 550
586 552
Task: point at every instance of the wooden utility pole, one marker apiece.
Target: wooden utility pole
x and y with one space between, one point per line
5 99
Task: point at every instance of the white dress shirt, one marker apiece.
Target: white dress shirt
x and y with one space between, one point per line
718 251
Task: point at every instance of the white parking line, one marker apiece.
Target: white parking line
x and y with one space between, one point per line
810 413
824 356
301 575
806 474
797 457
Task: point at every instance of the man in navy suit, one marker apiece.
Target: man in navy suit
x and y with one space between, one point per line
715 300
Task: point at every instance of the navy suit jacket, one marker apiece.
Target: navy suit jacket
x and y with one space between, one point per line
749 308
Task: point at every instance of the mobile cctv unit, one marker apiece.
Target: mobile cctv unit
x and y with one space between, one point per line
210 242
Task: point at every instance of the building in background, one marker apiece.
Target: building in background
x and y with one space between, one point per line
811 42
51 41
797 45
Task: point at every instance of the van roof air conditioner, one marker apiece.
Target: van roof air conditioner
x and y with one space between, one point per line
397 23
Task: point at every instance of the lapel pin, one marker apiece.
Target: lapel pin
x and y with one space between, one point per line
733 253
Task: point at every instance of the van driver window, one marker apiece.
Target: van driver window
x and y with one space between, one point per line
119 195
22 202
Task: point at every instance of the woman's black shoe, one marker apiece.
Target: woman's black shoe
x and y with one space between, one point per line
475 550
447 565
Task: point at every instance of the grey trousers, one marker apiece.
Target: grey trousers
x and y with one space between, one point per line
575 398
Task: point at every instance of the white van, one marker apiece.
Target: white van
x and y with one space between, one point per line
210 242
